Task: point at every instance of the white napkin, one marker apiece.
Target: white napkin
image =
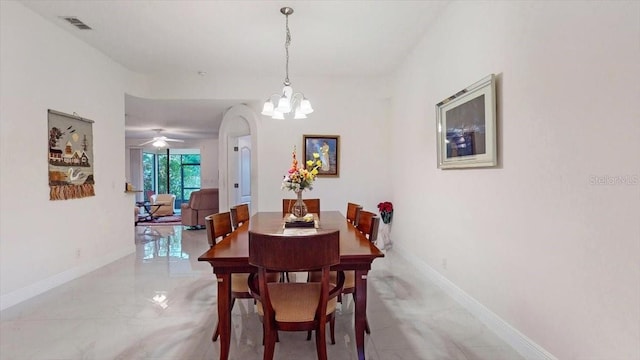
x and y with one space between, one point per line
299 231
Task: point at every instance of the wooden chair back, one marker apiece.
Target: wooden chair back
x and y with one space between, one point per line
353 213
294 253
313 205
239 215
368 224
218 226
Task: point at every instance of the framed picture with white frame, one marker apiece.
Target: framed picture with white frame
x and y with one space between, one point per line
466 127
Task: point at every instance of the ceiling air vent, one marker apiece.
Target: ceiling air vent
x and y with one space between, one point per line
76 22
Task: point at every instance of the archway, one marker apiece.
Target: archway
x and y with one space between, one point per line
239 120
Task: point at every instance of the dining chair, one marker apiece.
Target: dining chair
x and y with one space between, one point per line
313 205
295 306
353 212
218 226
368 224
239 215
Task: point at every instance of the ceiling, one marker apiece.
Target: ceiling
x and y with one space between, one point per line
328 38
180 119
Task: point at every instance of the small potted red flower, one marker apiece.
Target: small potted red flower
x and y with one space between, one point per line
386 211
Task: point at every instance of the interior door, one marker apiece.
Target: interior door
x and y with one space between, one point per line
239 166
244 158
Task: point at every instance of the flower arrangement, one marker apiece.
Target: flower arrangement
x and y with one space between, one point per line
301 178
386 211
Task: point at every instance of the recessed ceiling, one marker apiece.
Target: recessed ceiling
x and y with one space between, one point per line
329 38
182 119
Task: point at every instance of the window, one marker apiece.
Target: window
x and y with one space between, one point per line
149 174
176 172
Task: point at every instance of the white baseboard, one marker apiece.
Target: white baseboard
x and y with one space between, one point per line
518 341
26 293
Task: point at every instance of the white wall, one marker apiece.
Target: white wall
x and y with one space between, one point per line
360 119
536 240
45 243
208 163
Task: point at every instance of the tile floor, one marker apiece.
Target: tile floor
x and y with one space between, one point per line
160 303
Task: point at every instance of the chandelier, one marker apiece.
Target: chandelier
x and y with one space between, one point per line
277 105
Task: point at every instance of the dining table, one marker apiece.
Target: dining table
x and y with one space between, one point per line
231 255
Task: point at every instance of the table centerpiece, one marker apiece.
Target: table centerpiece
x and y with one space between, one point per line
299 179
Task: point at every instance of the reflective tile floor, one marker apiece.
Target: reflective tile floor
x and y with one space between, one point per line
160 303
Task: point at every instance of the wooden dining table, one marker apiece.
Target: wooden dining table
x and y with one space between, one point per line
231 255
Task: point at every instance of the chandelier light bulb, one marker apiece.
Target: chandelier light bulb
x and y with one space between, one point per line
267 109
284 105
299 114
305 106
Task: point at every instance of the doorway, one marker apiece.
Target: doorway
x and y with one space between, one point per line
238 129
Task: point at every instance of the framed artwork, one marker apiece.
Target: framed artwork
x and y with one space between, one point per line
466 127
328 146
70 156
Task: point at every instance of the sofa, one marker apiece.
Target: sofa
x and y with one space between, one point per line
202 203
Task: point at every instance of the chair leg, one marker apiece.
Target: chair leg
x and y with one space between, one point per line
216 333
332 329
277 335
270 343
321 343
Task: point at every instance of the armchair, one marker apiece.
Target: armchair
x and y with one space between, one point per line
202 203
168 201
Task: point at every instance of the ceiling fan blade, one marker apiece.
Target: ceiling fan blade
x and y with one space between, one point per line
147 142
176 140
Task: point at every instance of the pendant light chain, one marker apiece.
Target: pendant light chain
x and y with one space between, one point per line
287 42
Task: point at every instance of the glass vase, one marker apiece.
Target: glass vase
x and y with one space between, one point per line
386 216
299 208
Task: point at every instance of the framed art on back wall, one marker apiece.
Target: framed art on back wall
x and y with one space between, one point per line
328 147
466 127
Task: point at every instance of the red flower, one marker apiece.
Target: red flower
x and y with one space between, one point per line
385 207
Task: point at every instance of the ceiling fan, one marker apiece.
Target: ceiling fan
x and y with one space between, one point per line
160 141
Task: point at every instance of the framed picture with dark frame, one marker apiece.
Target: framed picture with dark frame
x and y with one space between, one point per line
466 127
328 146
